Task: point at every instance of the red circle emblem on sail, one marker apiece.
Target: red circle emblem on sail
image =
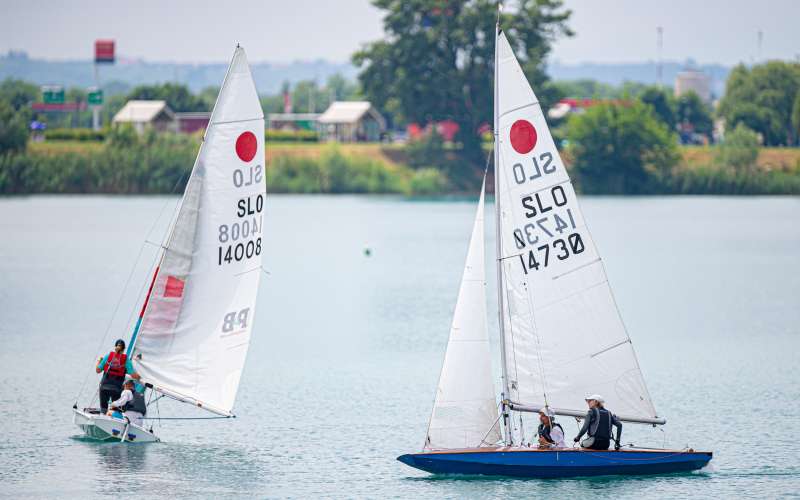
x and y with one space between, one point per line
523 136
246 146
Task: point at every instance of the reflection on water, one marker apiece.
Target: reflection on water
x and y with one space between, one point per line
344 361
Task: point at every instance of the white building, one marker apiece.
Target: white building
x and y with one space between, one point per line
351 121
693 80
142 114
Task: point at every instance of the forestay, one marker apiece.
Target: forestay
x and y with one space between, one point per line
564 335
196 326
465 411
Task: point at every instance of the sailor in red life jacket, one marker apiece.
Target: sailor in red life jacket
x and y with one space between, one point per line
114 367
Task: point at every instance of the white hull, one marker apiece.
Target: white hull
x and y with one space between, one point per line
105 428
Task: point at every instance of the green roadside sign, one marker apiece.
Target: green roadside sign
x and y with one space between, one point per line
95 96
53 94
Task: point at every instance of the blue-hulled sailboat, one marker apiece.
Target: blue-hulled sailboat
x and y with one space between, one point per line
561 333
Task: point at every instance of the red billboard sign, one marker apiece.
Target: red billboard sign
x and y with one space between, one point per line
104 51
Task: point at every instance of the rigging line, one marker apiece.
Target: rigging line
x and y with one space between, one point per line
111 321
147 240
483 439
185 418
528 301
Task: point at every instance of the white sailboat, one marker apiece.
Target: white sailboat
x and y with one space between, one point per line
562 337
191 338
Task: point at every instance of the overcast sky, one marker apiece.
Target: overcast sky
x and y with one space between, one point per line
722 31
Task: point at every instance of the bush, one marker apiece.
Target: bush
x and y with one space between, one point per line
74 134
159 166
621 148
739 150
334 172
428 182
721 180
13 129
426 150
291 136
430 151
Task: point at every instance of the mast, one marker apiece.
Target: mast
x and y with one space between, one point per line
506 394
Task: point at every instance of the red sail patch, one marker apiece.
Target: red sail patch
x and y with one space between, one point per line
174 287
523 136
246 146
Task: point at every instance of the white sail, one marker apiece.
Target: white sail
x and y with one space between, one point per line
196 326
465 411
564 336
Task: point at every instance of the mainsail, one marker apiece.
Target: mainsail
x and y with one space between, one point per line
564 338
196 325
465 410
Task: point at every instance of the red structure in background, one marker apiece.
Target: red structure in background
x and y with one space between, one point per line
67 106
446 128
191 122
104 51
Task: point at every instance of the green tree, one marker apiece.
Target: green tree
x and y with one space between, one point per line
739 150
13 128
436 62
586 89
796 119
178 97
690 109
338 88
18 93
762 98
662 103
621 148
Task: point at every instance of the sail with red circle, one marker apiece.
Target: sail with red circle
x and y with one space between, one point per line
563 335
198 319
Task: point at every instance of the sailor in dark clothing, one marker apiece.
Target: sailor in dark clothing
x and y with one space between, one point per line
597 424
551 434
131 403
113 366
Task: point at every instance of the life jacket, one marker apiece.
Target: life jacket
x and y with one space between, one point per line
115 369
136 404
115 364
603 429
544 431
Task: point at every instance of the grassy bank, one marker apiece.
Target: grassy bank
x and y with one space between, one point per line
159 164
156 164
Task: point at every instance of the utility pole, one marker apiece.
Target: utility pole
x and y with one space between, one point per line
659 49
760 43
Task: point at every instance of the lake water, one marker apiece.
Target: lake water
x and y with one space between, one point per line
347 348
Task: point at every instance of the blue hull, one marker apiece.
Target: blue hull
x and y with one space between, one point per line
532 462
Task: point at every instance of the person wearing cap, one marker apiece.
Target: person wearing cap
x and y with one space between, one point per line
551 434
597 425
114 366
130 402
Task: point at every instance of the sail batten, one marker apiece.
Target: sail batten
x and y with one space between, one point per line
195 330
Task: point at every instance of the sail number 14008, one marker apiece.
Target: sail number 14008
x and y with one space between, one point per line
235 243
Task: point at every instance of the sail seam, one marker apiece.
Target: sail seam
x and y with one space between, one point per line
562 299
627 341
237 121
517 109
595 261
550 186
